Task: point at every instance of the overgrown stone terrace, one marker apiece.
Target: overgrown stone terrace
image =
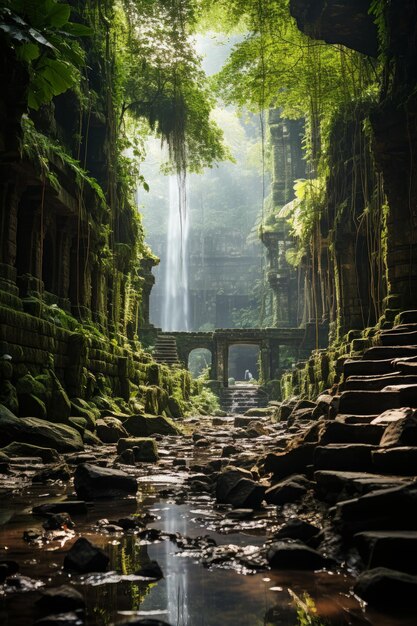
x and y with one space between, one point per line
104 451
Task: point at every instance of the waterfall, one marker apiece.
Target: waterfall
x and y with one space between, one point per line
176 298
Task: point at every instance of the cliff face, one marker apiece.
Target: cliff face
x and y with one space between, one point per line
393 120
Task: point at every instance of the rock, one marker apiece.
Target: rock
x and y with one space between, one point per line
144 426
60 619
57 472
369 402
7 568
91 439
31 534
81 408
4 463
300 415
146 621
175 408
236 487
144 448
401 461
387 589
31 406
393 549
344 457
393 415
84 557
127 457
291 461
60 600
288 490
59 405
294 555
265 411
72 507
324 404
229 450
18 449
38 432
401 432
8 395
298 529
79 423
58 521
151 570
92 482
110 429
332 486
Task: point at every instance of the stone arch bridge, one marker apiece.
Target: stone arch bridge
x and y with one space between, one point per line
269 340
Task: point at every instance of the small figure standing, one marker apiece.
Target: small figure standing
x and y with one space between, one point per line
248 375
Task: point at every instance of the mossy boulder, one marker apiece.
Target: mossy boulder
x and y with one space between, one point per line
8 396
175 408
79 423
144 448
91 439
38 432
110 429
17 448
28 385
155 399
146 425
31 406
81 408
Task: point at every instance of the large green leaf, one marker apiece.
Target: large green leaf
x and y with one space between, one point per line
77 30
28 52
58 15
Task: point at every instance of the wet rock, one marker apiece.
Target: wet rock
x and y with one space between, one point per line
72 507
260 411
60 600
393 415
81 408
144 448
60 619
110 429
31 535
38 432
92 482
31 406
18 449
151 570
144 426
298 529
229 450
4 463
202 443
300 415
58 521
401 432
130 523
179 463
401 461
324 406
127 457
240 514
295 555
7 568
236 487
291 461
57 472
395 550
84 557
90 439
387 589
289 490
79 423
344 457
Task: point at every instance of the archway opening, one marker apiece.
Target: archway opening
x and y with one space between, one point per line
243 363
199 362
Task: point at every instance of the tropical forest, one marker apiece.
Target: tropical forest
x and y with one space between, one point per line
208 312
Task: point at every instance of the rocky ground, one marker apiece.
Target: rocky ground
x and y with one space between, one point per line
326 486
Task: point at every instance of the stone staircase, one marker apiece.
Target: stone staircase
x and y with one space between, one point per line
238 399
362 458
165 350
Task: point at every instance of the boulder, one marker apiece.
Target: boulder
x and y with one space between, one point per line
8 395
387 589
144 426
298 529
72 507
144 448
293 461
260 411
16 449
56 472
151 569
127 457
288 490
290 554
236 487
401 432
393 415
110 429
84 557
31 406
92 482
332 486
38 432
337 432
60 600
81 408
91 439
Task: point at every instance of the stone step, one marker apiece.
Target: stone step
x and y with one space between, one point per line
396 549
337 432
394 509
361 367
369 402
377 353
408 317
376 383
399 339
332 486
354 457
401 460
